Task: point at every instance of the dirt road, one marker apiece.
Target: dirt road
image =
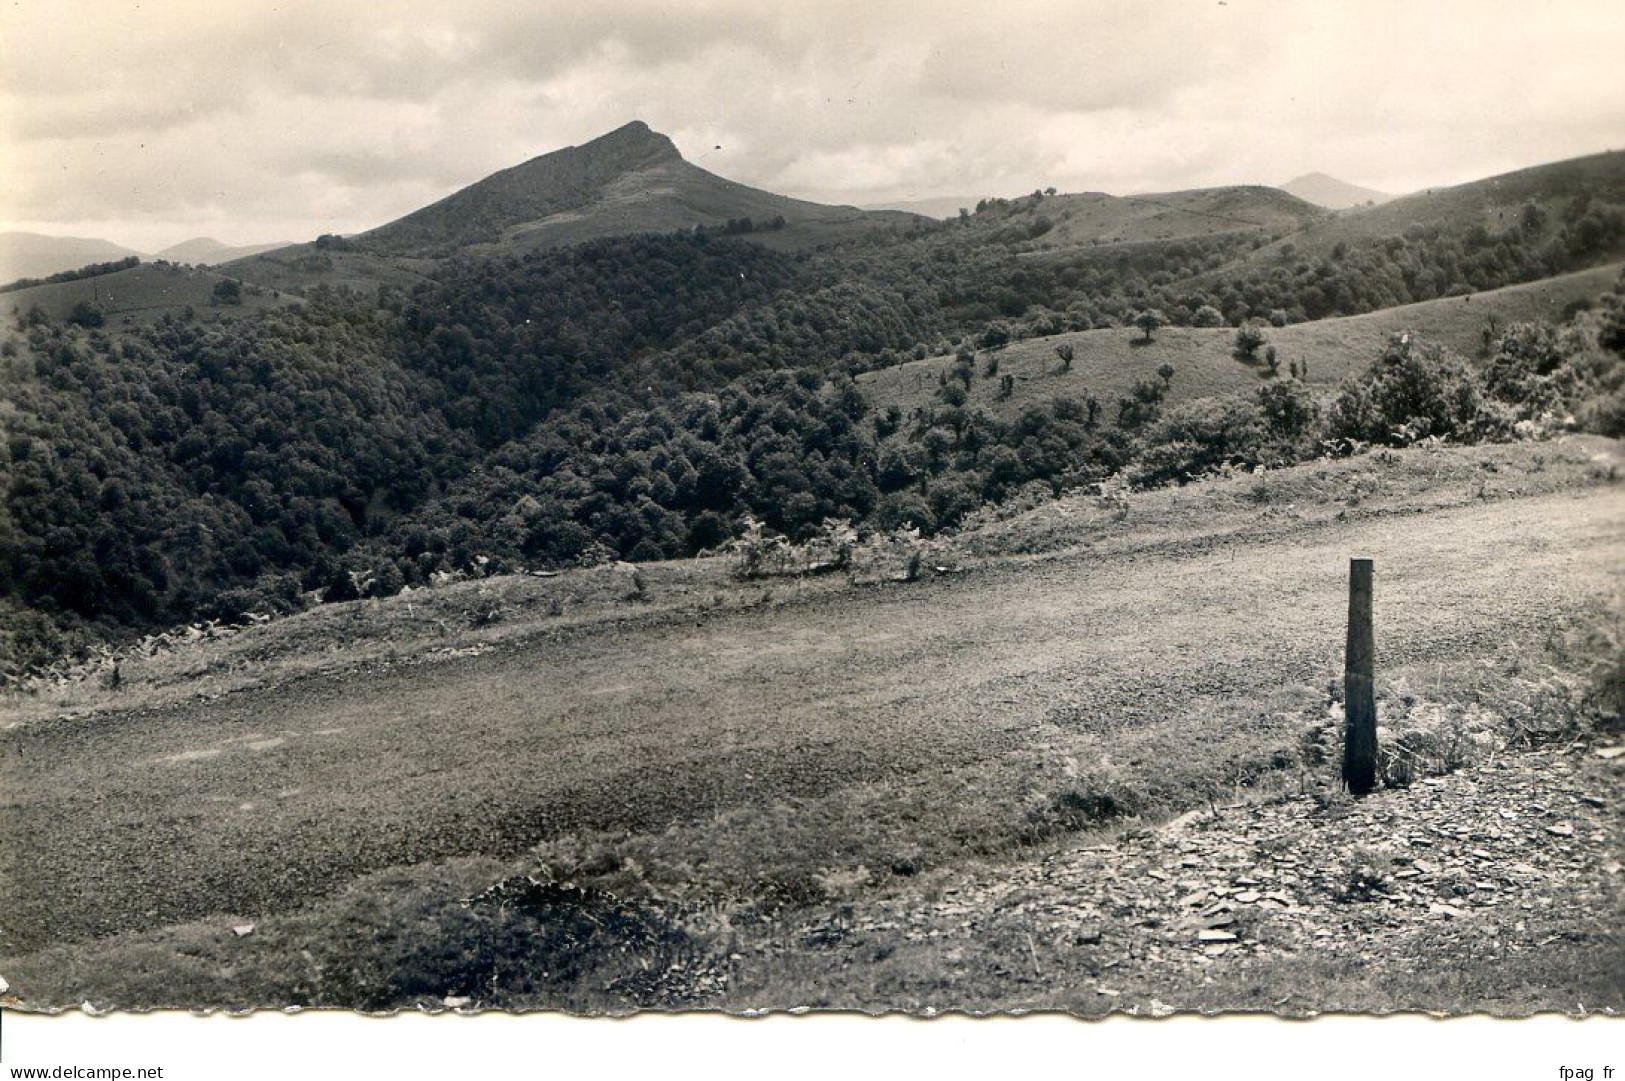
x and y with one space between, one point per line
261 801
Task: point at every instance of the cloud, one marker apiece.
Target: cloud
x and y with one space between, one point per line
289 117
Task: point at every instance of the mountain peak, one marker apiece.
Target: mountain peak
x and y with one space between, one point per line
558 182
635 140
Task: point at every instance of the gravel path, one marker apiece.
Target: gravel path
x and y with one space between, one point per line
261 801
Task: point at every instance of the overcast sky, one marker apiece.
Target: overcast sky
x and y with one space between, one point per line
254 120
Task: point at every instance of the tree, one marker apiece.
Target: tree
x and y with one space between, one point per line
227 291
1166 370
1065 352
1249 340
1207 316
86 314
1150 321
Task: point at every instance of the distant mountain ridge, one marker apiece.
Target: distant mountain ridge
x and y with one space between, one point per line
939 206
38 255
1332 193
207 251
35 255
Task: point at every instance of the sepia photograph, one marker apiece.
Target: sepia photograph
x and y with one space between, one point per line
1097 509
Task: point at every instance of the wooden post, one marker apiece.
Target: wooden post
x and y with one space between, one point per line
1359 686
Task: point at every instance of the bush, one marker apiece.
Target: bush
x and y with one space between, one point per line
903 509
1290 412
1141 405
1530 370
1200 437
1414 391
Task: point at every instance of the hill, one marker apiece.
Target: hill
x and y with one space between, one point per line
1066 222
207 251
1496 205
1332 193
36 255
1108 362
1096 217
632 180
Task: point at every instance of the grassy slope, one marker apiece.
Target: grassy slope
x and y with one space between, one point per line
301 266
744 754
141 294
1109 362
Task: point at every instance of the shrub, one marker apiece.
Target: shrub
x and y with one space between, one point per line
1530 370
1414 391
903 509
1141 405
1199 437
1289 411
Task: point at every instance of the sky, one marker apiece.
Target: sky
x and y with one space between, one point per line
267 120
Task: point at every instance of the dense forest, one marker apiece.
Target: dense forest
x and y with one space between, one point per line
637 398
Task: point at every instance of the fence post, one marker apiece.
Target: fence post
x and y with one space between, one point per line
1359 688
